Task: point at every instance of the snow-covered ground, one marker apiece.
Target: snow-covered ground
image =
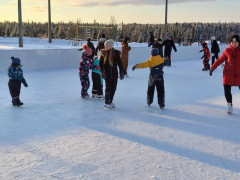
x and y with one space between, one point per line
58 135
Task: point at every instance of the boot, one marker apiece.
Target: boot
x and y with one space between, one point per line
230 108
112 105
107 107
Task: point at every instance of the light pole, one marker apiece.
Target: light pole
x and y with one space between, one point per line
217 28
166 26
199 32
20 24
49 23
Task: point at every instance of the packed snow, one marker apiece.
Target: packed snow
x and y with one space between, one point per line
58 135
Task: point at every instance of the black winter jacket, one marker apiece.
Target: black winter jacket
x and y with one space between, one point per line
111 72
169 44
160 47
215 48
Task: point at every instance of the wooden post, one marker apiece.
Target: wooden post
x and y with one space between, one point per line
166 26
20 24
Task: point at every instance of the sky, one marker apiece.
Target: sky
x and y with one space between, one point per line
126 11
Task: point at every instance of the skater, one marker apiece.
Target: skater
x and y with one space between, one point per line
214 49
231 71
83 71
206 56
124 54
15 75
109 60
97 89
158 44
100 44
90 44
155 63
169 44
150 39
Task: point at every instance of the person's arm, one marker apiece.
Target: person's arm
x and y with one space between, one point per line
219 61
97 48
174 47
144 64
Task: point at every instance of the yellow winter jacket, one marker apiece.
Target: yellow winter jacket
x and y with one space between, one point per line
151 62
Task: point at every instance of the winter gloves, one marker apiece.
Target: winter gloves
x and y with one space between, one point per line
211 71
24 82
134 67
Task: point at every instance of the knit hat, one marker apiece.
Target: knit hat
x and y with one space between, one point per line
84 46
109 43
235 38
155 51
213 38
15 60
88 50
159 39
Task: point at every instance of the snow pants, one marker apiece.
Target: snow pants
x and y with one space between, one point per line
158 82
111 86
206 65
97 84
85 85
227 92
169 61
14 89
214 57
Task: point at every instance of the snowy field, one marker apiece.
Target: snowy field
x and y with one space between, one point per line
58 135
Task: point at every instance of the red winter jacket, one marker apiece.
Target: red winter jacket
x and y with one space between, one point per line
231 71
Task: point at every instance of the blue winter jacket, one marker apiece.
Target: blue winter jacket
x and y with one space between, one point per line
15 73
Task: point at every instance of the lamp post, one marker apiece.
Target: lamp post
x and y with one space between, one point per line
217 27
199 32
49 23
20 24
166 26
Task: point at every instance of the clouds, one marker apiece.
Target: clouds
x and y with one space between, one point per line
91 3
41 5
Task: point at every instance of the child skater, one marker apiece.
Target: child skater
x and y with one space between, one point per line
156 63
97 90
231 71
206 56
83 71
15 75
125 54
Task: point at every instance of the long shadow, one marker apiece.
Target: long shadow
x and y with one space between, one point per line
209 159
189 122
56 121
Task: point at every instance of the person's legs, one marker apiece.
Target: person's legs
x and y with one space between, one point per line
150 91
160 91
227 93
85 85
228 96
113 88
95 84
14 89
107 91
213 59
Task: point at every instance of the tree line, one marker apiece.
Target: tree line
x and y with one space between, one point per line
181 32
